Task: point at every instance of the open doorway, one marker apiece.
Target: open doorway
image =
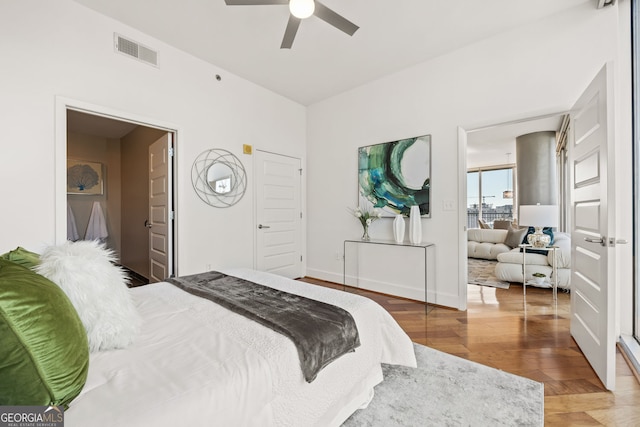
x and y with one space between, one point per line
119 211
489 186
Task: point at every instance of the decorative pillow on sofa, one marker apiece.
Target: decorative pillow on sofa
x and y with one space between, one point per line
23 257
44 355
98 290
515 236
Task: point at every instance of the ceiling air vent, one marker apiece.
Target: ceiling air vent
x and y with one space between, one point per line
135 50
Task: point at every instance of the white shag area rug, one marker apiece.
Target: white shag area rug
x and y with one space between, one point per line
446 390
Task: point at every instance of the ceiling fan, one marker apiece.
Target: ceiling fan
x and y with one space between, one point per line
301 9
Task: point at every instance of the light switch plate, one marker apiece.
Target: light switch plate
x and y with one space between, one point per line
448 205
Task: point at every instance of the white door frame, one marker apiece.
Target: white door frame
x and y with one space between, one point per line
62 104
463 273
462 197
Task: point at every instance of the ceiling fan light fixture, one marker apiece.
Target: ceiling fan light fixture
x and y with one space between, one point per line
302 8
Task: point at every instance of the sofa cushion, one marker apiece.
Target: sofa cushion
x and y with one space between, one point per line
513 273
515 236
486 235
485 250
563 253
514 256
486 243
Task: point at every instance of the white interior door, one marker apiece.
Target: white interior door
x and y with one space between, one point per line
160 221
592 267
278 214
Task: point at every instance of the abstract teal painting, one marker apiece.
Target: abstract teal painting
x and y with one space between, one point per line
393 176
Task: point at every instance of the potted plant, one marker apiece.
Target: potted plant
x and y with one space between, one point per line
366 217
539 278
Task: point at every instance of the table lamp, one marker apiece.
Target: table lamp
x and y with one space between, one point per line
539 216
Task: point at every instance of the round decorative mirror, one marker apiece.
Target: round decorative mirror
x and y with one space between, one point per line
219 178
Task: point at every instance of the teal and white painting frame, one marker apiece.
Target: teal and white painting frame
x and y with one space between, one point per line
395 175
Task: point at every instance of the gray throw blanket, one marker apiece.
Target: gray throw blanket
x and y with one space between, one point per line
321 332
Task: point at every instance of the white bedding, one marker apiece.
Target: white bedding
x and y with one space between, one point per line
196 363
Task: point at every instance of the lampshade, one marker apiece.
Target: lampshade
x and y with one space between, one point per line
302 8
538 215
507 194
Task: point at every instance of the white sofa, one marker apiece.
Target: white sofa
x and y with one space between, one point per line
509 267
486 243
489 244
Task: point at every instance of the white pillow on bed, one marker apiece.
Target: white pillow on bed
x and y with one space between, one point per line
97 289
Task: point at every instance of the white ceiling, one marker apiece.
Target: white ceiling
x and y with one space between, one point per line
323 62
496 145
393 35
90 124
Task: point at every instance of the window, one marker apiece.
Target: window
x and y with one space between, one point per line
488 196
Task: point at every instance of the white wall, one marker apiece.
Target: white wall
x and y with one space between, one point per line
535 70
61 49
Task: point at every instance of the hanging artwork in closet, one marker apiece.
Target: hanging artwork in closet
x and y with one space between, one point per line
84 177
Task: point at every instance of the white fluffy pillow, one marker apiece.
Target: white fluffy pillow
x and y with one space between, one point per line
97 289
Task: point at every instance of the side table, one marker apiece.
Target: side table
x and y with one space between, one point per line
554 283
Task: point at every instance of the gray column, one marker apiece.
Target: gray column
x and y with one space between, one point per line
536 168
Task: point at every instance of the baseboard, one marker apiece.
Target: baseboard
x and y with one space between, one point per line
433 297
630 350
324 275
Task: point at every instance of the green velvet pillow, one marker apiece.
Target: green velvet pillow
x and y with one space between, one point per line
44 353
22 256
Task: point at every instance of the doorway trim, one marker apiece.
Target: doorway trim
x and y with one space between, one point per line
62 105
462 194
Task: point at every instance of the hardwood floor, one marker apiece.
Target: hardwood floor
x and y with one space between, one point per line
531 340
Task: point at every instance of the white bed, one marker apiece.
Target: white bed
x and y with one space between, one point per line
196 363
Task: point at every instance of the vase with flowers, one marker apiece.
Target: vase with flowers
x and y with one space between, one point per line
366 217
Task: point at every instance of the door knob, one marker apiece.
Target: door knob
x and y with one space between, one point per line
147 223
590 240
612 241
260 226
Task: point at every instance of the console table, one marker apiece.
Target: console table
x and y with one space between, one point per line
426 247
554 282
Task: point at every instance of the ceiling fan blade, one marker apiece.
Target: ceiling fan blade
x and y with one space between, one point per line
330 17
254 2
290 32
